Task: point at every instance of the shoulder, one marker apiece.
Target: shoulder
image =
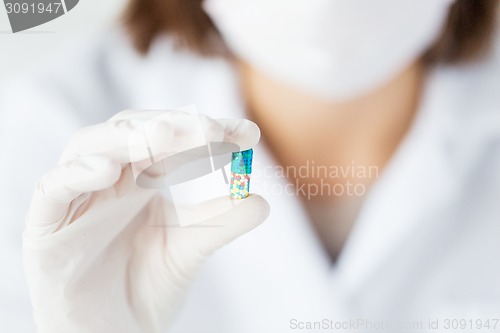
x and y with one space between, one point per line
469 92
464 101
88 80
460 121
97 76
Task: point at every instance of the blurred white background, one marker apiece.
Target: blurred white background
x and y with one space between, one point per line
23 51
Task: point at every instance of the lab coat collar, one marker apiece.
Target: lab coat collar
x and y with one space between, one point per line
411 192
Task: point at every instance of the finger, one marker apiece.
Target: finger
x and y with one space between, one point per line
195 242
123 141
156 134
194 130
243 132
244 216
55 192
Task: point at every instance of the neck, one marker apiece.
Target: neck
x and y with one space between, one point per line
352 140
300 128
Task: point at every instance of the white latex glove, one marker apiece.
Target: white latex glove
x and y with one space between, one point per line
93 261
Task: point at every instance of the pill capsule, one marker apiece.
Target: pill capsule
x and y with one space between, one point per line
241 168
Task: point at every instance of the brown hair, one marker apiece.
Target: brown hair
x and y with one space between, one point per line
467 34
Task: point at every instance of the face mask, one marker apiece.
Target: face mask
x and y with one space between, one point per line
334 49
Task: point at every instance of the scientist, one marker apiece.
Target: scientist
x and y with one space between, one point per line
408 88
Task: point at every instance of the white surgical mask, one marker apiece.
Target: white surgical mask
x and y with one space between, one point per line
335 49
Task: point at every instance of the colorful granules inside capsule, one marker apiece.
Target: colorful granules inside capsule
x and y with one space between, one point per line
241 168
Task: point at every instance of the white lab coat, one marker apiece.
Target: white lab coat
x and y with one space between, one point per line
425 244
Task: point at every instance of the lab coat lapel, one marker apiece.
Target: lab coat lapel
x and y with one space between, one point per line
416 183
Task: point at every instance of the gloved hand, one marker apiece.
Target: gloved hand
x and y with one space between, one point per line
93 261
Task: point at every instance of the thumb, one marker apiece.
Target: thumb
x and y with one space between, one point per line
244 216
195 242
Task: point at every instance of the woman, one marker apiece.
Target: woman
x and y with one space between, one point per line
396 99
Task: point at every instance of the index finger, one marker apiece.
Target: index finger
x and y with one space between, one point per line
134 136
